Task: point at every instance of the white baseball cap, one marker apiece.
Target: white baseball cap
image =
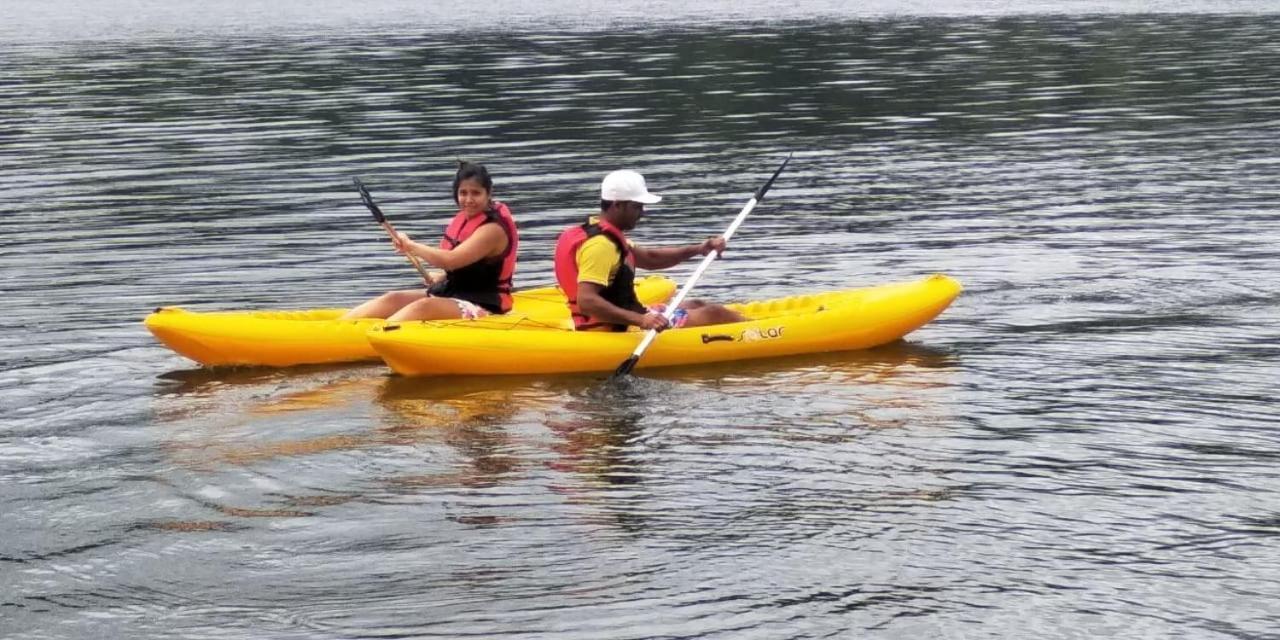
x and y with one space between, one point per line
626 185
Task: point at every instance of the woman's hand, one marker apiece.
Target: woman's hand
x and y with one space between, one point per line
402 243
434 278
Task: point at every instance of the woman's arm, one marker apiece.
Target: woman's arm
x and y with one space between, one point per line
489 240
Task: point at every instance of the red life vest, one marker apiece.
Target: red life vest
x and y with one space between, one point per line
485 282
621 291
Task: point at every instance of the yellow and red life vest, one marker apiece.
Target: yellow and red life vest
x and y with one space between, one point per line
621 290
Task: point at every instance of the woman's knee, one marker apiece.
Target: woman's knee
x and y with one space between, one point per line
428 308
402 298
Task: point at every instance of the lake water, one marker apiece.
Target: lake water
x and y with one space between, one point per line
1085 445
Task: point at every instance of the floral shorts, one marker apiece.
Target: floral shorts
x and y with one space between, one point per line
469 310
678 319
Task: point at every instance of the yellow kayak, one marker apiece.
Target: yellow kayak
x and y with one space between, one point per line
314 336
832 321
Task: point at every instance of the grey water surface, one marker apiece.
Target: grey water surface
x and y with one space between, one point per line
1084 445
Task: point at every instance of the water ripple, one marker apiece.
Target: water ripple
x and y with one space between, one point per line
1084 444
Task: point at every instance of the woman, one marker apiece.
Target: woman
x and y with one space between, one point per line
477 254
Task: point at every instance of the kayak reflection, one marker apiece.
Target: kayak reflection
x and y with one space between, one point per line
288 443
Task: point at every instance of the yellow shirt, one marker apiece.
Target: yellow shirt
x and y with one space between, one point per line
598 260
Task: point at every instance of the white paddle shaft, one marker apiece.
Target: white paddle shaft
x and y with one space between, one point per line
697 273
630 363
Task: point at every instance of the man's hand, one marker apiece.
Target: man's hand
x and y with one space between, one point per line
714 243
653 321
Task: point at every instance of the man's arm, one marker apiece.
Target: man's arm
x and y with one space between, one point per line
665 257
591 303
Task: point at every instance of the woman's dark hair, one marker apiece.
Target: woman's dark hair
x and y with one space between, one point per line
471 171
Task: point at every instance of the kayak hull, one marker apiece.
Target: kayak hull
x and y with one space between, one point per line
834 321
317 336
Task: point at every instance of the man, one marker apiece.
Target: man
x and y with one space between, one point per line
595 265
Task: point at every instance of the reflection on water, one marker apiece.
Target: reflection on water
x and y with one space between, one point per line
473 432
1084 444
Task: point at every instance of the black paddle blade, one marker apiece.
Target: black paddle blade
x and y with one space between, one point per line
368 201
765 189
626 367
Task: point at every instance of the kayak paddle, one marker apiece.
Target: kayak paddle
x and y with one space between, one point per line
382 220
630 363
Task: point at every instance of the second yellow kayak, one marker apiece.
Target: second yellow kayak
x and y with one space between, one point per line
315 336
